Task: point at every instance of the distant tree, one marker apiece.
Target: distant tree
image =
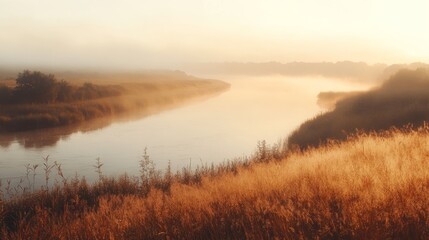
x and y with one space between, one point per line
65 91
90 91
36 87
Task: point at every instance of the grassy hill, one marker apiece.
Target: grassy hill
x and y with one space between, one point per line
372 186
402 99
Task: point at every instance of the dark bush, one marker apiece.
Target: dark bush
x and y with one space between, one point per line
36 87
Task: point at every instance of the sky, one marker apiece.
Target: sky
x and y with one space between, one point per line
130 34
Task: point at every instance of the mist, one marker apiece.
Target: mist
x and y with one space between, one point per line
167 34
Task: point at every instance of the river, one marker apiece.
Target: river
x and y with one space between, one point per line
213 130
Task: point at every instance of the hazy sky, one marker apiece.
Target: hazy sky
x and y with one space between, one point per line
163 33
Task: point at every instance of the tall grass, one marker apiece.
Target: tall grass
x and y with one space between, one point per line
60 195
373 186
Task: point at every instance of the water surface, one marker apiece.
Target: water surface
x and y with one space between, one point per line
213 130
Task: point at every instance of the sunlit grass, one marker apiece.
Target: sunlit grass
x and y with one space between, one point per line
373 186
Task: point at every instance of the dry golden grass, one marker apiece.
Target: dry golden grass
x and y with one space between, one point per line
372 186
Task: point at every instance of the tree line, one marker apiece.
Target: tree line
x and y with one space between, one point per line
38 87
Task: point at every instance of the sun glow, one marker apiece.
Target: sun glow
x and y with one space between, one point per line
164 33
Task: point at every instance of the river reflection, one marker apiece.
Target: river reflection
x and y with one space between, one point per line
49 137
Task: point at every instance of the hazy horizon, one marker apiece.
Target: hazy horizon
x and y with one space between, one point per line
168 34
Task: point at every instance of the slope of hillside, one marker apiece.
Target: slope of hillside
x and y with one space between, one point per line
403 99
371 187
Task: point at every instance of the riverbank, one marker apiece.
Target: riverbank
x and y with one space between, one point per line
135 96
371 186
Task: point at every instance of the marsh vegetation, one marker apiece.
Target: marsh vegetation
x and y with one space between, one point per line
39 100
